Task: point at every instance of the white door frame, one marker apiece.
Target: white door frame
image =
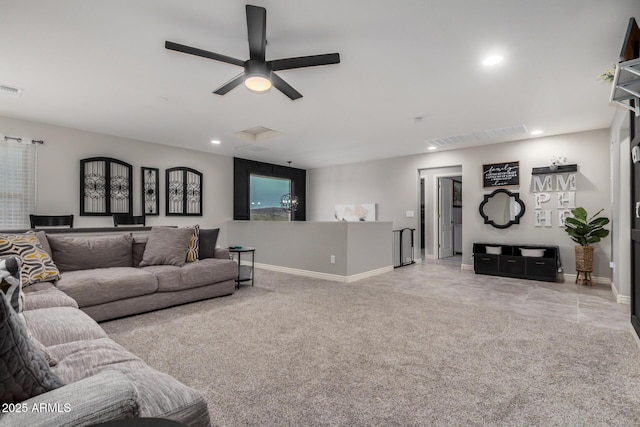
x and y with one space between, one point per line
434 209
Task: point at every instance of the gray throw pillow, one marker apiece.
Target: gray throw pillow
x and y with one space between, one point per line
208 239
167 246
24 373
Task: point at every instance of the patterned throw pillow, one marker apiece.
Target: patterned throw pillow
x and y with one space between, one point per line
194 244
37 265
10 286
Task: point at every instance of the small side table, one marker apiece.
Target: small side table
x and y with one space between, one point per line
245 273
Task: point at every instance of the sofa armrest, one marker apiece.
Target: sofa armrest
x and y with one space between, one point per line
96 399
221 253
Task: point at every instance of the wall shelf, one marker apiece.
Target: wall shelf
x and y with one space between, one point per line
561 169
626 85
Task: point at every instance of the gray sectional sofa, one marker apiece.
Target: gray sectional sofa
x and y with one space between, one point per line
103 278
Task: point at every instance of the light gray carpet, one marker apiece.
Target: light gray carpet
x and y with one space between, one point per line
299 351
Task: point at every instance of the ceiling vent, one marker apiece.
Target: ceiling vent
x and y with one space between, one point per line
508 131
447 140
10 91
257 133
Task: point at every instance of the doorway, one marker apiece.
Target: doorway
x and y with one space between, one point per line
441 229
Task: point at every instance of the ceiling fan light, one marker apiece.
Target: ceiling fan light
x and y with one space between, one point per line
257 83
257 76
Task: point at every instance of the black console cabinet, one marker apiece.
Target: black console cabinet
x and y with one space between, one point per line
511 262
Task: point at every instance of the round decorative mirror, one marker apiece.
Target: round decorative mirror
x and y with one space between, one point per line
502 208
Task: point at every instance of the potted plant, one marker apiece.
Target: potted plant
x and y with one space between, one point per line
585 231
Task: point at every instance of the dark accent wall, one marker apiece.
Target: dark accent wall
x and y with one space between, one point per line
242 170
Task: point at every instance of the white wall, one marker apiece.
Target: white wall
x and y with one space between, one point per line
59 173
393 184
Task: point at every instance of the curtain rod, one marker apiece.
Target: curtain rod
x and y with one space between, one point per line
18 139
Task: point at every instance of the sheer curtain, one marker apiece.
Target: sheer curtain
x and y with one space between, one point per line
17 182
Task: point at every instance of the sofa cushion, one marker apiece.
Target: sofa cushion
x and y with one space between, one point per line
193 274
100 285
37 265
24 372
208 238
79 253
208 271
57 325
45 295
169 276
160 395
98 399
167 246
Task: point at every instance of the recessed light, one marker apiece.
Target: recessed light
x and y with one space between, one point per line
492 60
215 142
536 132
432 148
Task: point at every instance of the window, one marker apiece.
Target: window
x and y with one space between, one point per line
264 198
17 183
293 181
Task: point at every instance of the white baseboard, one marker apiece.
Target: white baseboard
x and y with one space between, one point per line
466 267
594 279
620 299
370 273
325 276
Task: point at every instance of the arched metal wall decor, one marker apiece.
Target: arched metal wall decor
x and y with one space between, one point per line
105 187
150 191
509 211
183 192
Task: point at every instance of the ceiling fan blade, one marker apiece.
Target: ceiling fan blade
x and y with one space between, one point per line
305 61
231 84
202 53
285 87
257 30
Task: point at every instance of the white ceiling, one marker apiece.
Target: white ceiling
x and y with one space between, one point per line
101 66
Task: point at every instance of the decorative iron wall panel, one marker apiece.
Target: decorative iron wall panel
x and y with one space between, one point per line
150 191
183 192
105 186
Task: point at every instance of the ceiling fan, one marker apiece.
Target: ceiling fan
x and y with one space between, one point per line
258 75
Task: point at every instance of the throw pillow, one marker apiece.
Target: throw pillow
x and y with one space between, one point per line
139 243
193 252
208 239
24 373
11 290
11 286
167 246
42 238
37 265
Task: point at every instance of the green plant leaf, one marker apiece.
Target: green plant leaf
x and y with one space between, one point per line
579 214
599 222
586 232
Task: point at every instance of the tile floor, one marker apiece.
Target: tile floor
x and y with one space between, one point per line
594 305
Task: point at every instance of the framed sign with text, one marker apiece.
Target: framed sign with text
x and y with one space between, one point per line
501 174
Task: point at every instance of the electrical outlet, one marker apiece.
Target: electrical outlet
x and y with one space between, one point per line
332 259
